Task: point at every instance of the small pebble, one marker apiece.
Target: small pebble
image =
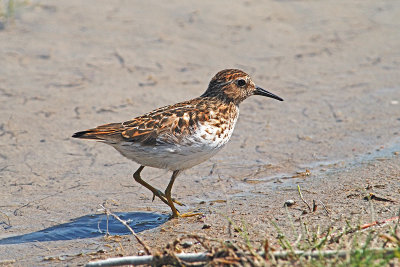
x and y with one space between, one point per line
187 244
141 253
289 203
206 226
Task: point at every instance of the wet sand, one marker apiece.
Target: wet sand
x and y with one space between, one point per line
72 65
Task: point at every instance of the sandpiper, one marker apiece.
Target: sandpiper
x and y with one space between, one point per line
180 136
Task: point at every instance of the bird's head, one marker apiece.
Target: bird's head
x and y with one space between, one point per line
233 85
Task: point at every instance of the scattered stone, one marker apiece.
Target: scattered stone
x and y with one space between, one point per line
289 203
187 244
206 226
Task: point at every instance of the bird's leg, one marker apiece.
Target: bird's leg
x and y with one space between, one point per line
175 212
173 199
155 191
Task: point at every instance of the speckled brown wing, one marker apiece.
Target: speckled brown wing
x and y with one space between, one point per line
164 125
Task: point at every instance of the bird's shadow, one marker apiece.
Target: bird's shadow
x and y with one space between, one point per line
92 226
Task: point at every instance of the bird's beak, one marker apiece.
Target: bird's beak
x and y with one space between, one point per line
260 91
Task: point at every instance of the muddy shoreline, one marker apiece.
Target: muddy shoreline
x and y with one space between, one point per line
64 68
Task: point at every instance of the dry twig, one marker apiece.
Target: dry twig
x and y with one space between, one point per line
205 257
108 212
367 225
301 197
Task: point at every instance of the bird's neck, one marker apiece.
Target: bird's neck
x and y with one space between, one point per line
220 108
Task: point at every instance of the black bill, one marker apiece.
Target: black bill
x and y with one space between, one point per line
260 91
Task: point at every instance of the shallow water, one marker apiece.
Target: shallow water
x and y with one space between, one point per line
317 168
92 226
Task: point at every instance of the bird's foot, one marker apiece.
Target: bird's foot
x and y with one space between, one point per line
184 215
162 195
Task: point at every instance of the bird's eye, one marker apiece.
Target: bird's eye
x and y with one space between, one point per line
241 82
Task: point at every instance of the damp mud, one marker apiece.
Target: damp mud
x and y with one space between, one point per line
72 65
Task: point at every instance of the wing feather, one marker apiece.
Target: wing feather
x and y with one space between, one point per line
164 125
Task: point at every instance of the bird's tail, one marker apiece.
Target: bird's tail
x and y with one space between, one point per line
104 132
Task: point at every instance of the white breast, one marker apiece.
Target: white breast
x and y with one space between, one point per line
193 149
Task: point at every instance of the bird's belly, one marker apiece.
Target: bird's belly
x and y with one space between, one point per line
188 152
171 157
